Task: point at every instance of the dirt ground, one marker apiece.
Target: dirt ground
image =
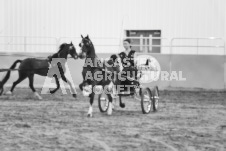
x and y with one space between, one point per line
185 120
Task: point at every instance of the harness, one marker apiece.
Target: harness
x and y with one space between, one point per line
129 58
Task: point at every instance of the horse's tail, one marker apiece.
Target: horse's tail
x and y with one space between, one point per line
5 79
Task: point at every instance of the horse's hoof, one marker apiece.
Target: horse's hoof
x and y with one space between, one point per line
74 95
109 112
8 93
51 92
37 95
122 105
89 115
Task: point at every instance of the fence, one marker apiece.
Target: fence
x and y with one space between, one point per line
207 46
198 46
50 44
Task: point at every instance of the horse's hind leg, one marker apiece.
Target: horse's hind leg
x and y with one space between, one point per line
72 87
58 84
90 112
31 85
122 105
21 78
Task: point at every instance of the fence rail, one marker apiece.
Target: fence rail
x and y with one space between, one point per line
111 44
197 45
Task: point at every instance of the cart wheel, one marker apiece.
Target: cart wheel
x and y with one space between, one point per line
155 98
103 102
147 101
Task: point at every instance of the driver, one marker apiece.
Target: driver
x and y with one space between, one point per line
127 58
129 71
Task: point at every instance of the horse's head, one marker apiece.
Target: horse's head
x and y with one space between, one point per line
72 51
64 50
86 46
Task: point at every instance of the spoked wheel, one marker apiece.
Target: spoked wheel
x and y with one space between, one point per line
155 98
147 101
103 102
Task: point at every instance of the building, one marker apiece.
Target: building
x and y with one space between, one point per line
109 21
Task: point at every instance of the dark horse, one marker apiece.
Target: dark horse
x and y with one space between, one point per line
31 66
94 68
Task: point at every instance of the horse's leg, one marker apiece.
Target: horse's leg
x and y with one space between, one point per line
113 103
21 78
83 76
81 86
73 90
122 105
110 104
58 84
31 85
112 89
90 112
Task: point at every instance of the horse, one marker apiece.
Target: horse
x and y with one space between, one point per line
31 66
108 72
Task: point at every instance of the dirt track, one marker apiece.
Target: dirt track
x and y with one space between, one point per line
185 121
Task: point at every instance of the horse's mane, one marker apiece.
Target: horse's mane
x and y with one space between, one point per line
55 55
62 46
